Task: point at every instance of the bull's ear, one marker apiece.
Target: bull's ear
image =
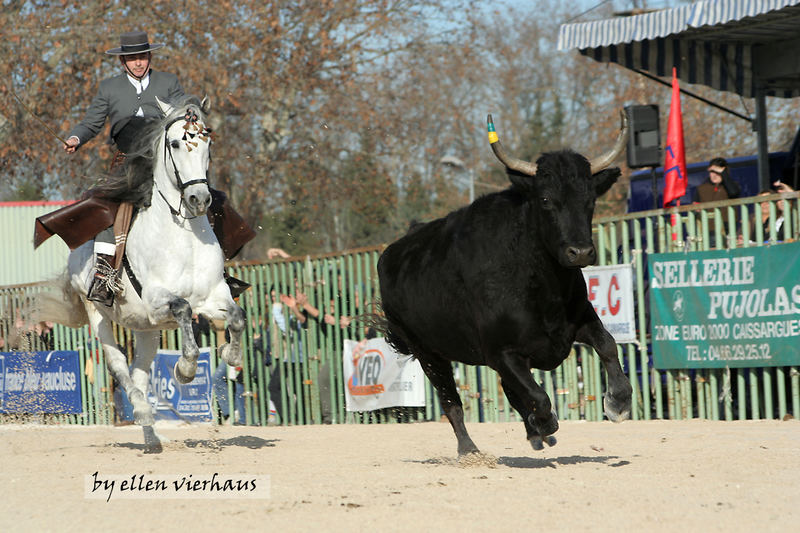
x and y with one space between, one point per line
518 179
604 179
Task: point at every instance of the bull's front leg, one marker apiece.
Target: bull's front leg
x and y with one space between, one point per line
617 400
186 367
528 398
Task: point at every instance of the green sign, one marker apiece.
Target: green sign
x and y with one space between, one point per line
726 308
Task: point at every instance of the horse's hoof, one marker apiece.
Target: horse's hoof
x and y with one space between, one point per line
184 377
143 418
152 442
142 412
227 355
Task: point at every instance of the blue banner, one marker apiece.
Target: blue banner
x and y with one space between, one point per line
40 382
173 401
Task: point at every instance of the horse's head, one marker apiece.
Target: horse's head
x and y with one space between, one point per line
186 154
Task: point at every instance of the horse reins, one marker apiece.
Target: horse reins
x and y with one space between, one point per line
189 117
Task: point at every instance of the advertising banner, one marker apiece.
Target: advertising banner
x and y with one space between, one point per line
610 290
377 377
173 401
726 308
40 382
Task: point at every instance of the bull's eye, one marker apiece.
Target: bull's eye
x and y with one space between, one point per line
175 143
546 202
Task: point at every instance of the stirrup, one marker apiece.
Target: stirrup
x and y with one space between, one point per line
105 284
99 291
236 286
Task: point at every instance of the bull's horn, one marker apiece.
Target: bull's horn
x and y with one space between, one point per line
519 165
601 162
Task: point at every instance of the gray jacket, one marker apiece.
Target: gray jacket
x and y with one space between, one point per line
117 100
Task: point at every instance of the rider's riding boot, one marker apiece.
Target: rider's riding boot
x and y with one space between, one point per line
104 281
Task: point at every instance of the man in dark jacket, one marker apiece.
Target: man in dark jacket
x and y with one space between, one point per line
127 97
718 187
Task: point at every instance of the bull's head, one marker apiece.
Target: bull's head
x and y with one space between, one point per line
562 188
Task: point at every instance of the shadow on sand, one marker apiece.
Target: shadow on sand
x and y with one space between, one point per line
533 462
521 462
242 441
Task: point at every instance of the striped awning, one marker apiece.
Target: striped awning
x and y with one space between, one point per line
730 45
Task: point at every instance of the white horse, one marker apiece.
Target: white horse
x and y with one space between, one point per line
173 254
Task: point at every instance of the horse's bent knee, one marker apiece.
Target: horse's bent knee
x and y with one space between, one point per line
181 310
236 319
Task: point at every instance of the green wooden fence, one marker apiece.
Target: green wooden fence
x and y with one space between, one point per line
345 285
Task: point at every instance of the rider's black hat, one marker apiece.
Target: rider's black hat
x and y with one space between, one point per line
133 42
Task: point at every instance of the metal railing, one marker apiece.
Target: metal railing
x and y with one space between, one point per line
301 364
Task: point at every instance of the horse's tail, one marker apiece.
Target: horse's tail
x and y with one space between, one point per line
59 302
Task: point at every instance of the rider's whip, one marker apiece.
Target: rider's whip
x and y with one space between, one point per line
42 122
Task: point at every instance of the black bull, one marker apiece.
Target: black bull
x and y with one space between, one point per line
498 283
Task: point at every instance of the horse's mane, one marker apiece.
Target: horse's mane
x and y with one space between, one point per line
133 180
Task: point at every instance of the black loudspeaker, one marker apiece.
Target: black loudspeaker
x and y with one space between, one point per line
644 142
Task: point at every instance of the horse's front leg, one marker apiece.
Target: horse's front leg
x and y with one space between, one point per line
118 365
220 306
186 367
146 347
231 352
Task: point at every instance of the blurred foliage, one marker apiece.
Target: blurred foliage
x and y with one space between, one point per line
332 117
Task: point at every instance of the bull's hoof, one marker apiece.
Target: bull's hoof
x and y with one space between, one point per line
228 355
617 411
544 427
466 447
468 451
184 373
537 442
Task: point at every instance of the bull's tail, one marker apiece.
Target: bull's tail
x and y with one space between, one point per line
376 319
59 302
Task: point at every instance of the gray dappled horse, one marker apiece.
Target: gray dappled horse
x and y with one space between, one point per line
173 254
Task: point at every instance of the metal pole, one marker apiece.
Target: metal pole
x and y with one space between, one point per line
760 126
654 186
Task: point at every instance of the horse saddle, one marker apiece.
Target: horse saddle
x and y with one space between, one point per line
80 222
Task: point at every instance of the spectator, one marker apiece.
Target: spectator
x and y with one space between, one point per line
288 355
762 216
274 253
718 187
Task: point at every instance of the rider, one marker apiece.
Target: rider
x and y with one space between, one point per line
127 100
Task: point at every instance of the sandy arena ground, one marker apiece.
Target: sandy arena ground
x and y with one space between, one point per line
636 476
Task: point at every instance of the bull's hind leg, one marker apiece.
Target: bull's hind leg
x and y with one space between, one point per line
440 374
118 365
617 401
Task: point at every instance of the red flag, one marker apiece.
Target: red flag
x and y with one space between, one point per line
674 156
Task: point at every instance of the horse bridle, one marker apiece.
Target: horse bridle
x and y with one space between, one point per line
191 118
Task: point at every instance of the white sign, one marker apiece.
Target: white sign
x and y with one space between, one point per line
376 377
610 291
